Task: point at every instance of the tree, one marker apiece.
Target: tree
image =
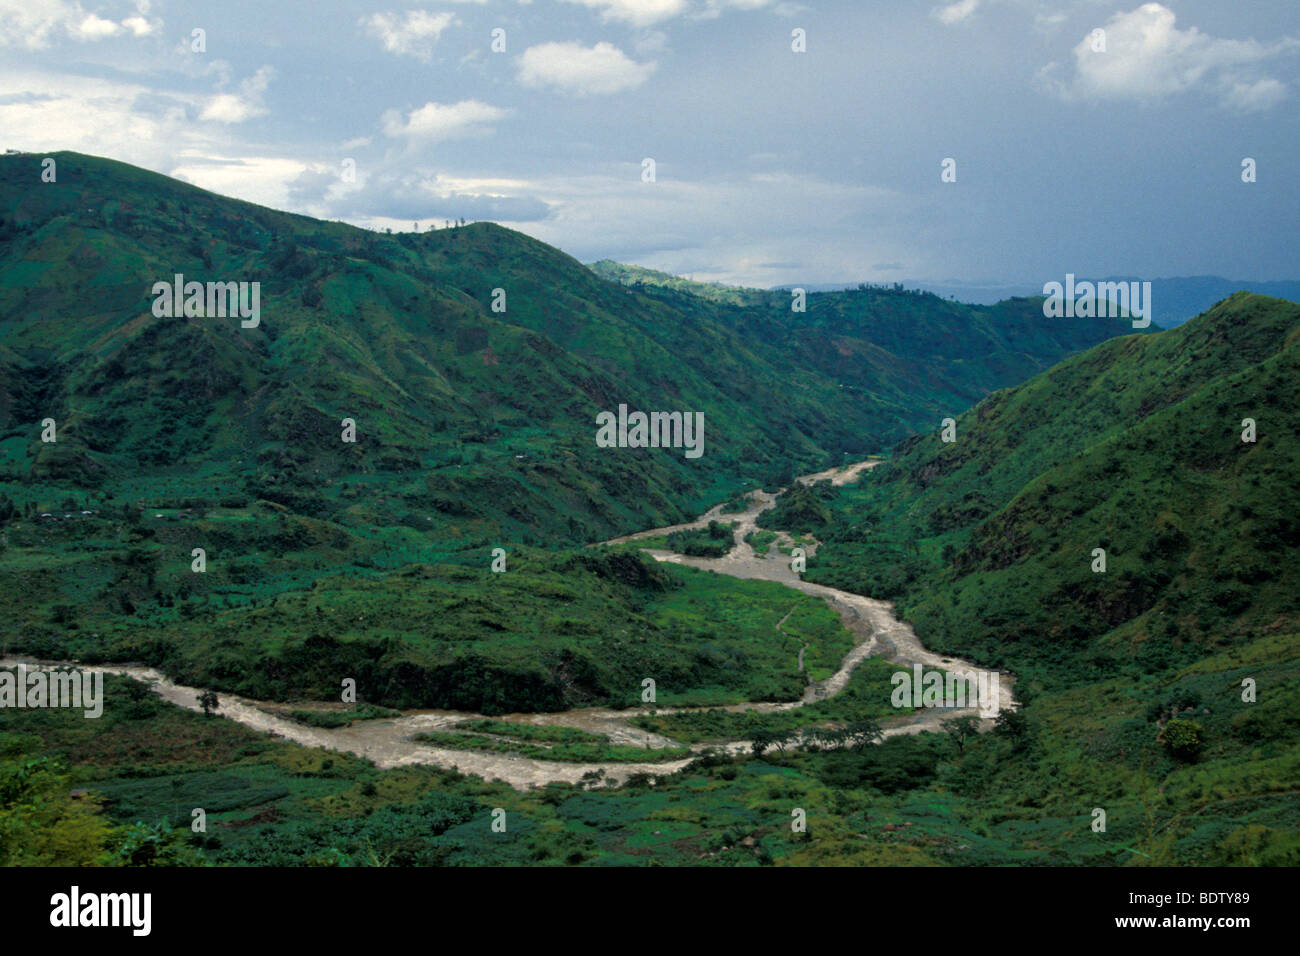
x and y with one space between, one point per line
43 822
862 733
209 702
830 737
1184 739
155 845
1013 726
961 729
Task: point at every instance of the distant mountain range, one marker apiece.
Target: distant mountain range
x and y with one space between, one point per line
1175 300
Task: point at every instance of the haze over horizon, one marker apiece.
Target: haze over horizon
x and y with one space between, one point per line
832 175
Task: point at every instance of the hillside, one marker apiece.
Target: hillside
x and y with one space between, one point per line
1135 447
911 357
477 420
463 414
1167 682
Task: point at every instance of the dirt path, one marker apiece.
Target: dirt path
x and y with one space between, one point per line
388 743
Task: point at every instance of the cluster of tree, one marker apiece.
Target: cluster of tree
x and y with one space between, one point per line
711 542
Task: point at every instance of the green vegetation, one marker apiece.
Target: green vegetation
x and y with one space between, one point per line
713 541
1134 447
761 541
342 718
556 630
910 800
903 357
530 732
802 508
736 505
865 699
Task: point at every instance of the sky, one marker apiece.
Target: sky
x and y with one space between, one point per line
791 142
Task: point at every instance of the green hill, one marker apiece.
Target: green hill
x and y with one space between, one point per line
1165 685
909 357
478 419
471 417
1134 447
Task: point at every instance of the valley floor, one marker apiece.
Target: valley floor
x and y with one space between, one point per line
391 743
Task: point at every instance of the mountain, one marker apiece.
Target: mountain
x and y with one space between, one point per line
1134 447
911 357
476 406
466 415
1161 686
1175 299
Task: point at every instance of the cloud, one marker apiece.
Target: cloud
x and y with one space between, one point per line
244 105
1147 58
139 26
722 225
644 13
133 123
573 68
93 27
260 179
639 13
412 35
436 121
36 24
715 8
956 12
1247 96
406 204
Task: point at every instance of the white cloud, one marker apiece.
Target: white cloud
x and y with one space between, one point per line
260 179
715 8
139 26
956 12
130 122
36 24
639 13
644 13
437 121
93 27
1148 58
411 35
573 68
721 227
244 105
1259 95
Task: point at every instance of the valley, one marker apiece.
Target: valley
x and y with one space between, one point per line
388 742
